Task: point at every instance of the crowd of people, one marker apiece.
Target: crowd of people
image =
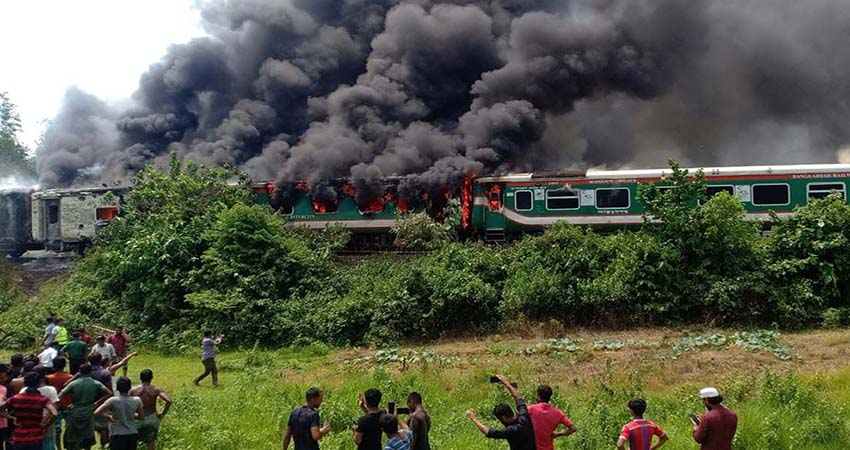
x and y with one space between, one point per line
532 427
68 396
43 406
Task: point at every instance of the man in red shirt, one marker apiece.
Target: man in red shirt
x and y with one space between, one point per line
639 432
119 341
28 410
546 419
715 430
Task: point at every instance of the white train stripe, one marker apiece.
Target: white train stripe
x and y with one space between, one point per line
356 224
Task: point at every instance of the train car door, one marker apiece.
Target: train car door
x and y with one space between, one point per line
52 221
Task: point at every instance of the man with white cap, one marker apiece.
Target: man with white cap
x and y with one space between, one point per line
715 429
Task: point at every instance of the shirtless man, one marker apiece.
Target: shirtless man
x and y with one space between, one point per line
149 427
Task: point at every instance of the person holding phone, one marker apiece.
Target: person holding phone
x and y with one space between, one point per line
518 431
715 429
639 432
208 358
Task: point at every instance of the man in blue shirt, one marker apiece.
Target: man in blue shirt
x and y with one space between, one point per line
396 439
208 358
303 425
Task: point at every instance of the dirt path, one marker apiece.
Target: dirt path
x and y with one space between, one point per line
652 359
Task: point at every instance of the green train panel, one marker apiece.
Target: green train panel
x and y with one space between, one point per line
345 213
530 202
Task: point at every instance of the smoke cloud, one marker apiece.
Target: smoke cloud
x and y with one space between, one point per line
431 91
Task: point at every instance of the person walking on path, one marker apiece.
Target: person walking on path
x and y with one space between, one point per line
208 358
715 430
547 418
120 340
419 422
122 412
149 425
639 432
76 351
518 431
303 424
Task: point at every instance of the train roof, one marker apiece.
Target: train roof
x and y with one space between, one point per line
594 174
67 192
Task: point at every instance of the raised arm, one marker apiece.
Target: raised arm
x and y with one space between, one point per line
114 368
484 429
509 386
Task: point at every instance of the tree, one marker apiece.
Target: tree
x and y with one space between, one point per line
13 154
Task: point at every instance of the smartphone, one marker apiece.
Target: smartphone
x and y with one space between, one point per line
694 418
403 410
495 379
391 407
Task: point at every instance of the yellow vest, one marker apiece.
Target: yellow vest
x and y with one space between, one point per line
62 335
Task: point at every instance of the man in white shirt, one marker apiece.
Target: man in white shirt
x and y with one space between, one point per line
45 358
106 350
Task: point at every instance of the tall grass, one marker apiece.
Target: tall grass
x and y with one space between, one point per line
776 411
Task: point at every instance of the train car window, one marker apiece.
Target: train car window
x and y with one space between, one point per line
615 198
771 194
107 213
53 214
523 201
711 191
562 199
823 190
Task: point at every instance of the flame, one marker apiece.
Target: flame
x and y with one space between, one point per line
374 206
271 188
402 205
303 186
348 189
467 199
494 194
324 207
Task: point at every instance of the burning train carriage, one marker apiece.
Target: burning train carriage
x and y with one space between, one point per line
370 213
510 205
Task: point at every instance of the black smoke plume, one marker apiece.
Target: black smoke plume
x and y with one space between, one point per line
432 91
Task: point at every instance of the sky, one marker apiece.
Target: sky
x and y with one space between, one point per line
100 46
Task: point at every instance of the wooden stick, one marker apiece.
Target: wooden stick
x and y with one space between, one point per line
102 328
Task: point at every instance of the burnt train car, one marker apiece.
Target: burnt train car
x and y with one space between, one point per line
55 219
15 228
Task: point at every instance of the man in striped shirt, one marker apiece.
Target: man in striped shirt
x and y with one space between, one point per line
28 410
639 432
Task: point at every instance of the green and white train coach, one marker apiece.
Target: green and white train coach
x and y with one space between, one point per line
529 202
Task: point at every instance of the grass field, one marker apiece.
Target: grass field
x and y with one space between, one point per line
796 403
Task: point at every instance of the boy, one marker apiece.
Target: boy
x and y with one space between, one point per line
396 439
638 433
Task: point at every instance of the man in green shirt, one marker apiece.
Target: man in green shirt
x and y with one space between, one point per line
85 393
76 351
